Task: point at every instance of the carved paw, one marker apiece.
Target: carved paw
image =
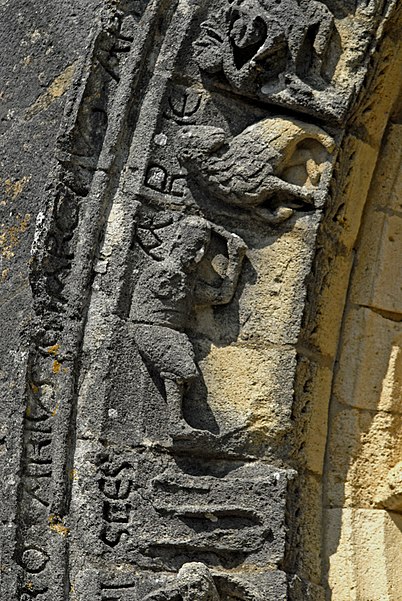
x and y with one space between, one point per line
274 217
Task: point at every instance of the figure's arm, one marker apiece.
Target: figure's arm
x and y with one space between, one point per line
205 294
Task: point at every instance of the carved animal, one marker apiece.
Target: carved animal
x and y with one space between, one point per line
194 582
253 37
260 24
277 160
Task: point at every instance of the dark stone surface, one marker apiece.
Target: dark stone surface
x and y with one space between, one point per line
187 141
39 42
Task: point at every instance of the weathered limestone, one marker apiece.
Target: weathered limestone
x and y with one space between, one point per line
167 419
363 483
364 554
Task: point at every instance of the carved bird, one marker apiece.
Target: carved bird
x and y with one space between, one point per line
276 161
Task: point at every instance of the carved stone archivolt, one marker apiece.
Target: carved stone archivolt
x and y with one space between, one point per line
169 279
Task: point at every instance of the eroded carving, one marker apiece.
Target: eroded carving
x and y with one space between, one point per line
157 507
115 485
164 299
34 560
117 593
183 105
45 477
267 44
194 582
271 167
158 178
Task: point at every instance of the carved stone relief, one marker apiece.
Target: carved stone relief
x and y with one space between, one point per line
250 41
289 53
182 215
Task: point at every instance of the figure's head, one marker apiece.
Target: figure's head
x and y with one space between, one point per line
192 238
195 583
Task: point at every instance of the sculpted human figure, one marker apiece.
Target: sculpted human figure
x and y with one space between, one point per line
163 302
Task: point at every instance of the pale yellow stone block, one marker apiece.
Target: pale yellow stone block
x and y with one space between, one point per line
378 268
343 449
311 420
370 369
362 449
364 549
378 276
389 492
325 335
354 186
271 306
339 551
251 388
386 188
316 432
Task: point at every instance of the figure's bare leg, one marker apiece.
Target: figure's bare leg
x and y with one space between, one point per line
174 399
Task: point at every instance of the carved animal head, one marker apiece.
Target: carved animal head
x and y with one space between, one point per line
256 31
273 158
200 140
